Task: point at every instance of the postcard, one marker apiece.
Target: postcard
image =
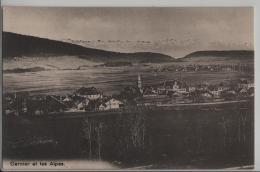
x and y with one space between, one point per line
128 88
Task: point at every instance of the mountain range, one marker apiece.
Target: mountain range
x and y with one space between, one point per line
230 55
17 45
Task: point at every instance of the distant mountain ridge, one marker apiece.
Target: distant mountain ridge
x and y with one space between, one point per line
17 45
200 56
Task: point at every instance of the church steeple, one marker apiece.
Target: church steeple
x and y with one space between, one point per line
139 83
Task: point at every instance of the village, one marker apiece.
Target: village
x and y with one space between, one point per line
89 99
207 68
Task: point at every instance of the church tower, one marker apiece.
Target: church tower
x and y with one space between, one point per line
139 83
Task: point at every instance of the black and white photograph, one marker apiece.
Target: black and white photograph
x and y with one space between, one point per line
128 88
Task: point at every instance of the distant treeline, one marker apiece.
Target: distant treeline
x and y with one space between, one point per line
21 70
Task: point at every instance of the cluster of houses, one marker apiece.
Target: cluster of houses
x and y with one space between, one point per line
210 67
92 99
179 92
84 99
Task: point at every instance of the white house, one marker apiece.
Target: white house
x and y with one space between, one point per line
111 104
215 93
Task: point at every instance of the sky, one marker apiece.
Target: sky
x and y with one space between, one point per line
190 28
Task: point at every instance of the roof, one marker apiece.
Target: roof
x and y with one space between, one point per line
88 91
55 98
105 103
114 100
84 101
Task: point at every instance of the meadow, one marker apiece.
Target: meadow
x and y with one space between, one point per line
111 80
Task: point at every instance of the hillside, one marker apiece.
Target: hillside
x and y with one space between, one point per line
232 55
16 45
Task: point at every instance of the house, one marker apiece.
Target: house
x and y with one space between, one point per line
207 95
243 92
161 90
182 90
91 93
83 104
67 99
111 104
149 91
222 88
229 95
215 93
173 86
250 85
203 87
177 94
246 86
251 92
78 104
191 89
243 83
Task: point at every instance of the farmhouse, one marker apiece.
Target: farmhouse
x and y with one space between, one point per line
111 104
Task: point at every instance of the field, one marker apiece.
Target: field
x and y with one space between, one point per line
65 76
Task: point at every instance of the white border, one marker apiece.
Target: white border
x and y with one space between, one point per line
132 3
170 3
